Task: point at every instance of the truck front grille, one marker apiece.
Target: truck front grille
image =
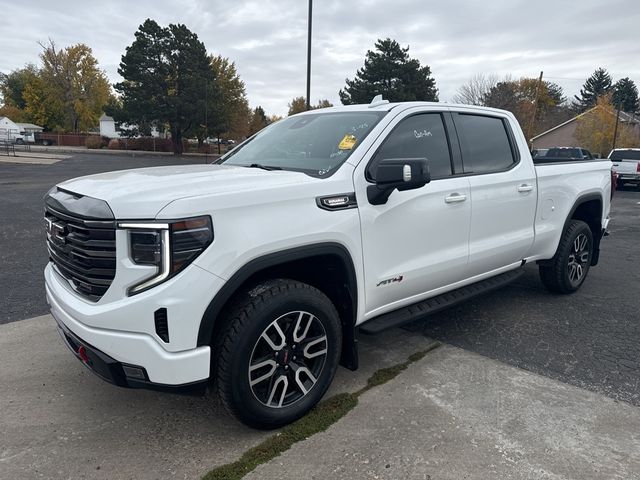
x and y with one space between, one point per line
83 251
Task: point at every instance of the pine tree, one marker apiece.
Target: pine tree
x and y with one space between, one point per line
167 76
390 72
598 84
259 120
625 95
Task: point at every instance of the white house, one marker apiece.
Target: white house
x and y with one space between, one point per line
29 127
108 128
9 130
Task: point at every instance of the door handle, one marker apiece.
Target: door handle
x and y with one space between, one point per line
455 198
525 187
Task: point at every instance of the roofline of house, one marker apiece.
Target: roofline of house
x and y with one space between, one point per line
563 124
629 119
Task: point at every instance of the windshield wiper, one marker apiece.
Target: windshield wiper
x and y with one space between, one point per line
263 167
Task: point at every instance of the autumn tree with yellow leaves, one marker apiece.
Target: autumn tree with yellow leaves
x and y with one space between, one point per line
596 128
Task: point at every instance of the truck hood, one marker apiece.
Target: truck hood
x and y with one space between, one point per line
143 192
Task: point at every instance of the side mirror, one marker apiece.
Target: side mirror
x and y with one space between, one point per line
397 173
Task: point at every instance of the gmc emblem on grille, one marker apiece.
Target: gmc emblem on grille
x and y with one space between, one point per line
56 231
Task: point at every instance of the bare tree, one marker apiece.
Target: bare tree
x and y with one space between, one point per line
476 89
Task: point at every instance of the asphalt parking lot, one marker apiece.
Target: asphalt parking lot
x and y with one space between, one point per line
588 340
23 253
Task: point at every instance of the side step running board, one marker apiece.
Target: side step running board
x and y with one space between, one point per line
432 305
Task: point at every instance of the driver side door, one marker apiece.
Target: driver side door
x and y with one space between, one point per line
418 241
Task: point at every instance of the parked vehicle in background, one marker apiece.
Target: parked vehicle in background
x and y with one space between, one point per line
626 163
34 138
539 152
221 141
564 154
11 136
261 270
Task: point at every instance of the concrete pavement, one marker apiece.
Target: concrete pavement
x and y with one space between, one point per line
59 421
458 415
453 414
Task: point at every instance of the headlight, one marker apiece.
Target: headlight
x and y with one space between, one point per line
169 246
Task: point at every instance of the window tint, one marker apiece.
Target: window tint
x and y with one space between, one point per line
418 136
625 155
485 143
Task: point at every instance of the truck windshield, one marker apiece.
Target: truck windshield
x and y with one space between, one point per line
316 143
625 155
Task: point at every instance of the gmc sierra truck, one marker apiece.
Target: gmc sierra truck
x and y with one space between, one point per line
256 274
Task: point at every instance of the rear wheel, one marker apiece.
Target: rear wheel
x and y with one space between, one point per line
570 265
278 353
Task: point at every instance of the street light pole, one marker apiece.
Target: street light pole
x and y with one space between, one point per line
309 57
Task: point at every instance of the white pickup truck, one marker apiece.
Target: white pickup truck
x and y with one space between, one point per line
258 272
626 163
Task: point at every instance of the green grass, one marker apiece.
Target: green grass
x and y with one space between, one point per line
324 415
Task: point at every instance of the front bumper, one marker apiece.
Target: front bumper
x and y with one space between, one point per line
112 371
129 347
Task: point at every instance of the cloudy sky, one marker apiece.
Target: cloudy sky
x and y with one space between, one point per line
566 39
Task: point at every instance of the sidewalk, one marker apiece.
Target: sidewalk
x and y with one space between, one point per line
105 151
40 158
452 415
457 415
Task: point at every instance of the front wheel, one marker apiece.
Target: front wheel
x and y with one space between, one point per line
570 265
278 353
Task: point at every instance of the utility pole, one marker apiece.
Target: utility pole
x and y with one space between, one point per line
309 56
535 110
615 130
206 119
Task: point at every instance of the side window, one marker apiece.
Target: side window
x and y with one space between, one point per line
485 143
418 136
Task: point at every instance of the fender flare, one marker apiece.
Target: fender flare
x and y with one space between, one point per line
231 286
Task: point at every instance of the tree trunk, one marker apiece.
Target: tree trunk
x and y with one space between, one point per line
176 139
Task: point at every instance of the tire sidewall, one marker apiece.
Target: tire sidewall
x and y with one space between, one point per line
583 228
254 412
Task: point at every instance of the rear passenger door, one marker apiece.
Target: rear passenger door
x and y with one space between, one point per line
503 191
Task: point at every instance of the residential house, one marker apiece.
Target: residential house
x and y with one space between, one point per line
9 130
563 135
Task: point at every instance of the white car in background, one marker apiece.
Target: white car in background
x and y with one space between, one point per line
626 163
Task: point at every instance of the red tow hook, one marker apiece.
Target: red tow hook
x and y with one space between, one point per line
82 353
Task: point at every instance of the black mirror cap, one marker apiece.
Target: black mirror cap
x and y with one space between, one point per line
398 173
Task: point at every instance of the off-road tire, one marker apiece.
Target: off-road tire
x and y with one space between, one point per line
556 275
251 315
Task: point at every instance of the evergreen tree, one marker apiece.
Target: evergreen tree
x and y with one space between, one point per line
228 114
390 72
258 120
167 77
625 95
598 84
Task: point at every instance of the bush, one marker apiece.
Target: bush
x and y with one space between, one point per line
114 144
93 142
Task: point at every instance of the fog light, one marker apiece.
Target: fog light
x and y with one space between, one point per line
134 372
